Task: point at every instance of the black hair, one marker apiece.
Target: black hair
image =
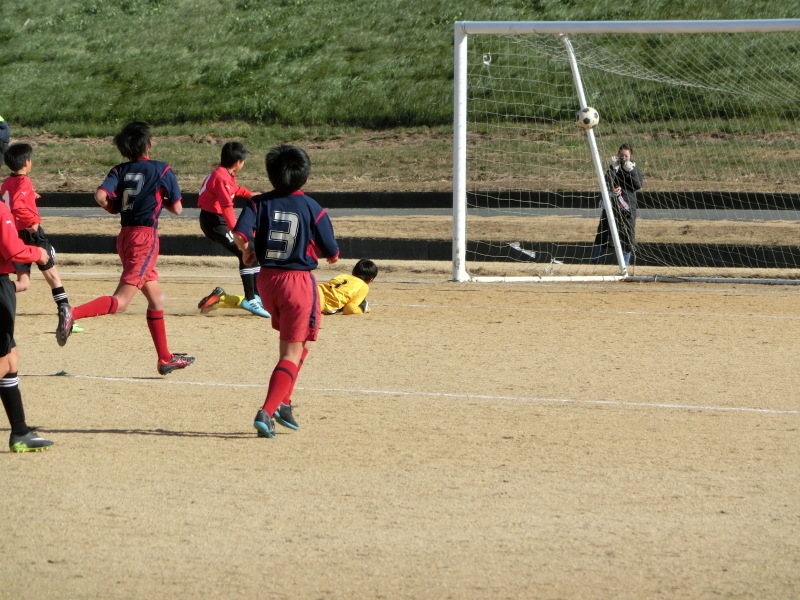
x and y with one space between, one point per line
233 152
133 141
626 147
365 269
288 168
16 155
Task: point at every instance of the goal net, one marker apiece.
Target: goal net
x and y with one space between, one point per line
710 110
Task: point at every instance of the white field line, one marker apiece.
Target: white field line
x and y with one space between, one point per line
597 311
443 395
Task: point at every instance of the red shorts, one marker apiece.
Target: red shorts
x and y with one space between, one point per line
138 250
292 299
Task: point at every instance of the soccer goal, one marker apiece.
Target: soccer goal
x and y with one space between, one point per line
710 110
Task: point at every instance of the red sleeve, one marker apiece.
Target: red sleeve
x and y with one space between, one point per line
229 216
11 247
23 204
243 192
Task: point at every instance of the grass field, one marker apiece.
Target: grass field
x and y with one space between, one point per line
82 67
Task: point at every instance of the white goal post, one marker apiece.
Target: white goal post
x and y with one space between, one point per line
710 110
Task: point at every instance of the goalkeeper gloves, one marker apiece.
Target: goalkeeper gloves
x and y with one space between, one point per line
629 165
614 162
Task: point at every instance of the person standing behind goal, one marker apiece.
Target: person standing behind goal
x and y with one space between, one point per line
623 180
137 190
217 219
289 231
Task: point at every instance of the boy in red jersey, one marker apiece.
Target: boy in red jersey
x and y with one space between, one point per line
137 190
285 231
217 219
23 438
17 191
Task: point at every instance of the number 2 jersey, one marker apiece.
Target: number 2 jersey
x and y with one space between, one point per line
288 232
139 189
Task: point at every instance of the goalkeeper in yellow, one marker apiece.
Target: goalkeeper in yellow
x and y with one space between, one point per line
347 294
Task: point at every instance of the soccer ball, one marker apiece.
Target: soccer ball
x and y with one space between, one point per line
587 118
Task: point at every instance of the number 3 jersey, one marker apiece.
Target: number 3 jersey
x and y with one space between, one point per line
139 190
288 232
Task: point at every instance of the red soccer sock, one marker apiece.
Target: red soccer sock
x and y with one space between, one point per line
280 385
104 305
300 366
158 331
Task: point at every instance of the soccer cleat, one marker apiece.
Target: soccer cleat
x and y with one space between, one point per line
210 301
264 425
254 306
178 361
30 442
284 416
77 328
65 323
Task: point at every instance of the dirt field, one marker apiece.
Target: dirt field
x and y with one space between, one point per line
461 441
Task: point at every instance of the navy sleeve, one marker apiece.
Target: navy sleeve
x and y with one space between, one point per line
325 238
247 220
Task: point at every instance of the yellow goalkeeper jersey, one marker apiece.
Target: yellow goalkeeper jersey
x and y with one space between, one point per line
343 293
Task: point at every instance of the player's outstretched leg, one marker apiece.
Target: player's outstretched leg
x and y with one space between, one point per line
65 323
264 425
230 301
28 442
178 361
210 301
284 416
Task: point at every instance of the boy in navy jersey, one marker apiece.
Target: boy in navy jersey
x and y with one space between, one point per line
286 232
137 190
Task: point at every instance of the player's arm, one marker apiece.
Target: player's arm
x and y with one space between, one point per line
103 199
229 216
636 179
243 232
325 238
353 306
172 191
243 192
248 251
176 207
14 249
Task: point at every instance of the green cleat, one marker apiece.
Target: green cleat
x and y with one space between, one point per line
30 442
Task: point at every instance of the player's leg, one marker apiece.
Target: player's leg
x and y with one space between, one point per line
281 384
293 300
53 279
49 270
284 414
252 301
104 305
22 438
216 229
167 361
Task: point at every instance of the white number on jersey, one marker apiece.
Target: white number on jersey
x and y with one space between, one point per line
131 191
287 238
